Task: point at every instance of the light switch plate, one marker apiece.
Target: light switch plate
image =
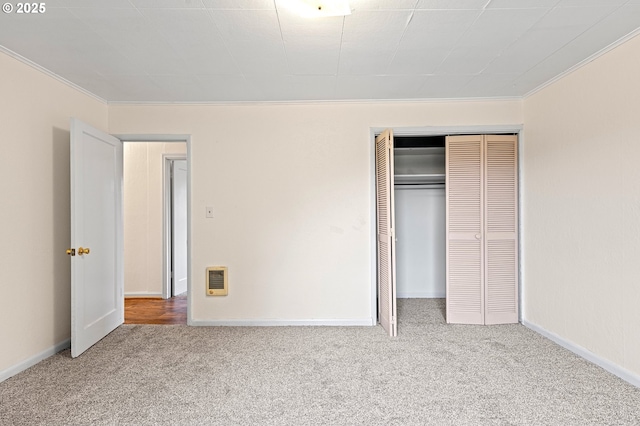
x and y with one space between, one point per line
209 212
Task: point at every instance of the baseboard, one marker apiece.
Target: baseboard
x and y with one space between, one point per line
143 295
420 295
612 368
30 362
279 323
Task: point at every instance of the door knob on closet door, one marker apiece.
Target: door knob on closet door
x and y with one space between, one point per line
82 251
478 236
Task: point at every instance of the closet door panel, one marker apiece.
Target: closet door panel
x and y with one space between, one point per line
501 230
501 281
464 282
464 219
385 231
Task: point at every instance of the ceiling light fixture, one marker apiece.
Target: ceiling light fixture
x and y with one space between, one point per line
317 8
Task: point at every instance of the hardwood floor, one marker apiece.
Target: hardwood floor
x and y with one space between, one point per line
156 311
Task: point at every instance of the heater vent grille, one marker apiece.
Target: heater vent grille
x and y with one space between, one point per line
217 281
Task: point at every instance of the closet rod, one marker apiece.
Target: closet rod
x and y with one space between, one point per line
419 185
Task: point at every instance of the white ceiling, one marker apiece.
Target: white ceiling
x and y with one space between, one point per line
254 50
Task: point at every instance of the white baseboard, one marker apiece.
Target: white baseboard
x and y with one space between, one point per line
30 362
612 368
278 322
143 294
420 295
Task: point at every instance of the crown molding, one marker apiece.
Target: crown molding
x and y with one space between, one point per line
51 74
318 102
584 62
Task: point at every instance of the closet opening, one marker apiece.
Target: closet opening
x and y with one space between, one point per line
420 207
447 226
419 190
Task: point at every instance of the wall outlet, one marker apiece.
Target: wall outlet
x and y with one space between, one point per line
209 212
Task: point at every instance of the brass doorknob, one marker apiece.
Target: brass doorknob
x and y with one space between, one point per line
82 251
71 252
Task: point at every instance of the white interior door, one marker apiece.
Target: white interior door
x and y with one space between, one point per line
386 233
179 227
97 275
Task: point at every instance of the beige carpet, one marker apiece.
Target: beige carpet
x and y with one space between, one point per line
432 374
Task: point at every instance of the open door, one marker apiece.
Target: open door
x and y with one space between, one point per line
386 233
179 227
97 274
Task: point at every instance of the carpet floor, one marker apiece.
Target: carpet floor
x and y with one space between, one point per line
431 374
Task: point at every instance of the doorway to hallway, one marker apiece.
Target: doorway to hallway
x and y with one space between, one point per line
155 232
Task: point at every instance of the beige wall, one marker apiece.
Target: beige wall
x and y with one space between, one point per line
582 207
292 192
143 215
34 185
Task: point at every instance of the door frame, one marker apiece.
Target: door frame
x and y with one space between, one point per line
440 131
167 225
166 267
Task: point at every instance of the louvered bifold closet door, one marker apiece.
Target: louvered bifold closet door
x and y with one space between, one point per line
385 231
501 229
464 218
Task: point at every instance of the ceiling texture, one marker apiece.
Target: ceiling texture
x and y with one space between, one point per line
256 50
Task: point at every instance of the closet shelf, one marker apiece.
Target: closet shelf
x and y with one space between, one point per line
420 178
